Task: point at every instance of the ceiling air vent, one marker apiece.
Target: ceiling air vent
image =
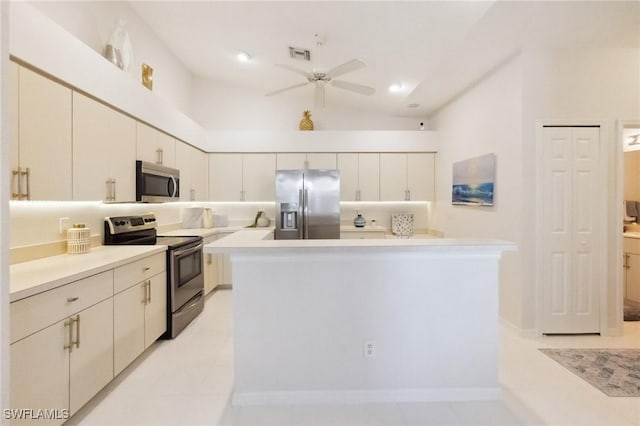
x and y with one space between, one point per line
300 53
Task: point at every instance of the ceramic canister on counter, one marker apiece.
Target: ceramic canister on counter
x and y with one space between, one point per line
78 239
402 224
192 217
207 218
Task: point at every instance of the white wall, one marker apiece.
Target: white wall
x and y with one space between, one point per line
587 85
487 119
222 106
92 23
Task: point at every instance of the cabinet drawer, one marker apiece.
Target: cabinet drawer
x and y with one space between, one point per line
132 273
37 312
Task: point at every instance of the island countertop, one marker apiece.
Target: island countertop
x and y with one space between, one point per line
260 240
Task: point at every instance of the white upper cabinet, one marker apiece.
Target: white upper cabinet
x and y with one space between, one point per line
242 177
193 167
154 146
225 177
407 176
258 177
421 176
359 176
104 152
393 177
291 160
321 160
41 142
369 176
311 160
348 166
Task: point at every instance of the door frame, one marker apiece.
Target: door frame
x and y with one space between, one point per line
619 179
605 212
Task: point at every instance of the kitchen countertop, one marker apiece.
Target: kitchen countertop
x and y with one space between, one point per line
207 232
245 241
631 234
367 228
36 276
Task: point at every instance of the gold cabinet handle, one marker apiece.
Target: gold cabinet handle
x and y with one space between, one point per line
149 290
27 174
146 268
78 331
72 299
16 176
69 323
159 156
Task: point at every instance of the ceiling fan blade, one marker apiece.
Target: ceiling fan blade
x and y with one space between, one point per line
358 88
352 65
307 75
319 98
275 92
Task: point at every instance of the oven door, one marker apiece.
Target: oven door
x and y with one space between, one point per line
187 278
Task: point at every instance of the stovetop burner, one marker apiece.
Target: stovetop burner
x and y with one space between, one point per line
140 230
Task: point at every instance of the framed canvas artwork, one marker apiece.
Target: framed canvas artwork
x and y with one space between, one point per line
474 181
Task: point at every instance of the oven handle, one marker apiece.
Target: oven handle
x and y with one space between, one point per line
179 253
190 304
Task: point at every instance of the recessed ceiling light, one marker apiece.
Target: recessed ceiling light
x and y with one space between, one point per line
395 87
243 57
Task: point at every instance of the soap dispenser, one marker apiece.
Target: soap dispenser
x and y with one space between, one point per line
359 221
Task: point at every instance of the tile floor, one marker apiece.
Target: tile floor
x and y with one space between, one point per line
188 381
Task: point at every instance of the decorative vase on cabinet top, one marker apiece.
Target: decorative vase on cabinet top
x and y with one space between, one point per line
359 221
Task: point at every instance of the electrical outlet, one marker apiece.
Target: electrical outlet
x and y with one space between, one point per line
63 224
369 348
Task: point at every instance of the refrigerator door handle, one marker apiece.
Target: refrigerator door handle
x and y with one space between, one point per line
301 215
306 214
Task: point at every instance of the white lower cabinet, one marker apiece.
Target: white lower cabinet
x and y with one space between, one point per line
210 268
91 364
140 308
69 342
65 364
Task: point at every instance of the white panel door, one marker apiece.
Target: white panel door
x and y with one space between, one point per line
369 176
321 160
348 166
225 177
572 252
393 177
633 277
420 176
258 177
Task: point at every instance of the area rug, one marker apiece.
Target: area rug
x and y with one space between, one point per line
631 311
616 372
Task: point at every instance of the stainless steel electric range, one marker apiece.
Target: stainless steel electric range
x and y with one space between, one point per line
185 279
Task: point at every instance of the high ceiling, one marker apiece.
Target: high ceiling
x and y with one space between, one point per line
434 49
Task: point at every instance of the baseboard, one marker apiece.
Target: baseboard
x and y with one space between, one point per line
365 396
522 332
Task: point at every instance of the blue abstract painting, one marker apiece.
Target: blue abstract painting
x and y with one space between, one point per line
474 181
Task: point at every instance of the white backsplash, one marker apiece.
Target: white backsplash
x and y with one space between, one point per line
38 222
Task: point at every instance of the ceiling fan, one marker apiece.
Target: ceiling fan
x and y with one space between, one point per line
321 79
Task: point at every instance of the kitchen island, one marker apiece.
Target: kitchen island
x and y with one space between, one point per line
363 320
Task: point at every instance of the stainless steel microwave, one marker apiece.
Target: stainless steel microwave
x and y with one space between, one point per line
156 183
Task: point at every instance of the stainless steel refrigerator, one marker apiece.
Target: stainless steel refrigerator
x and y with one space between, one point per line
307 204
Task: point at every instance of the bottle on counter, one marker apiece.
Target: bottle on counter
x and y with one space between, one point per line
359 220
